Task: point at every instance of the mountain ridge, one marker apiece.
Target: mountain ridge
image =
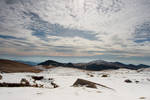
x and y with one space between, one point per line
96 65
10 66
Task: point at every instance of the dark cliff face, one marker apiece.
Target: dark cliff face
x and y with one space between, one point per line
95 65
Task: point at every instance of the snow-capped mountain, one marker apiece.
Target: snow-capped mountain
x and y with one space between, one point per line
98 62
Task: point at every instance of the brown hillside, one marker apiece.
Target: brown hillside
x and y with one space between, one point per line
9 66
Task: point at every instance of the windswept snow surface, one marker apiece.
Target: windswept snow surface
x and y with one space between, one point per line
65 77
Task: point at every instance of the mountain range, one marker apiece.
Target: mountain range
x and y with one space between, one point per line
10 66
96 65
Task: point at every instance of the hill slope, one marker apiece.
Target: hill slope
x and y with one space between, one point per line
13 66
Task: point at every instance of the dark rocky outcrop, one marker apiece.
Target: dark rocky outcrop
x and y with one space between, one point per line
82 82
128 81
24 81
137 81
86 83
20 85
105 75
1 77
37 78
54 85
14 85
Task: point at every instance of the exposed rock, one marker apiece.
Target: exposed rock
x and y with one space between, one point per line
24 81
38 85
41 86
37 77
50 79
35 85
105 75
137 81
90 75
1 77
142 98
82 82
14 85
54 84
128 81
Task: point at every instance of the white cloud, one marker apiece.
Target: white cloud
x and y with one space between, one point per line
113 22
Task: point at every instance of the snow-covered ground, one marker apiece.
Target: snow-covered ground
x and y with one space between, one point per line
65 77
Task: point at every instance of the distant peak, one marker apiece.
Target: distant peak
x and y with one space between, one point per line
97 62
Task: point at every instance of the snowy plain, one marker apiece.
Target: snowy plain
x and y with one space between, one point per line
65 77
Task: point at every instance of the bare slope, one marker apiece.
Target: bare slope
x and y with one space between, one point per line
13 66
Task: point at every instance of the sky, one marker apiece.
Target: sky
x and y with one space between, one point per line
75 30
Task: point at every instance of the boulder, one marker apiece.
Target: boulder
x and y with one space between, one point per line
37 77
24 81
54 85
82 82
89 84
128 81
137 81
105 75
